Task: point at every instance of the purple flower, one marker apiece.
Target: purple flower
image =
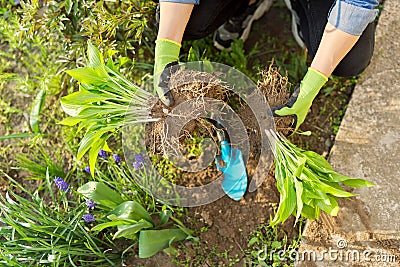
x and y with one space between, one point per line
17 2
61 184
139 158
87 169
90 203
88 218
103 154
137 165
116 158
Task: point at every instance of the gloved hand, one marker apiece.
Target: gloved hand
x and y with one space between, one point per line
301 100
166 52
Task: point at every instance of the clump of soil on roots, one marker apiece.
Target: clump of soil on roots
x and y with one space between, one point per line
229 222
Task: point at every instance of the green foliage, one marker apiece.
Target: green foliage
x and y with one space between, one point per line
292 65
101 194
306 181
39 163
101 104
115 25
236 56
270 246
37 106
133 221
48 233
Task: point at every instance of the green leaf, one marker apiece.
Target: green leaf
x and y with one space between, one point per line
68 6
164 217
123 60
332 209
70 121
276 244
299 170
349 181
130 230
102 226
152 241
87 142
94 56
37 106
19 135
82 97
358 183
131 210
94 152
299 192
333 191
287 203
101 194
317 161
252 241
88 75
171 251
308 212
71 109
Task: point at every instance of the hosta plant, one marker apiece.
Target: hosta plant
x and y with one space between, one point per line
306 182
105 98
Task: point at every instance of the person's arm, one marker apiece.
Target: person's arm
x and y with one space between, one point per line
173 20
174 17
334 46
346 22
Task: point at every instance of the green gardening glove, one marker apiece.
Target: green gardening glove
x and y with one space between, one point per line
166 52
301 100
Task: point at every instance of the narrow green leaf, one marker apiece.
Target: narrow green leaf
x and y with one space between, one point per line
128 231
317 161
36 108
87 142
101 194
152 241
19 135
287 203
94 152
299 169
102 226
299 192
358 183
333 191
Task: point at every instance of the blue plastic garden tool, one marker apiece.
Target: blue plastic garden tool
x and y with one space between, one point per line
234 171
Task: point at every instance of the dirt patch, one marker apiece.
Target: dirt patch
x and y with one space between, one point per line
228 223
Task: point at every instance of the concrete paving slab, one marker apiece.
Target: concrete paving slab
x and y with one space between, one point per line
366 231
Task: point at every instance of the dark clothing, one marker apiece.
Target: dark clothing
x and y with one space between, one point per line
210 14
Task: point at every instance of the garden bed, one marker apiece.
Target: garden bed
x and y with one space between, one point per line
224 227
